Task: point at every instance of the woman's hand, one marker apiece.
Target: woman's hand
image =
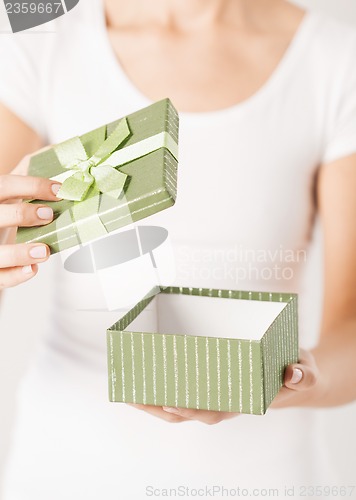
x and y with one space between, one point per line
299 379
176 415
302 383
18 263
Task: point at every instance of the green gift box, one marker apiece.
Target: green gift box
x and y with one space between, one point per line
221 350
112 176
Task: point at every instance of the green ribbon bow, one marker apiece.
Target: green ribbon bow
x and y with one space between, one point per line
86 181
94 172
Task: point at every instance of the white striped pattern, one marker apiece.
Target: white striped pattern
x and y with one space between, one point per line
226 380
229 385
251 374
207 371
196 372
240 375
186 371
218 374
164 346
133 369
122 368
154 370
143 368
176 374
113 369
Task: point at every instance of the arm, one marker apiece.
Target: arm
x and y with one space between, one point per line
16 140
336 352
331 377
18 263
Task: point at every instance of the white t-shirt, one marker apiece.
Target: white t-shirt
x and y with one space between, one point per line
246 177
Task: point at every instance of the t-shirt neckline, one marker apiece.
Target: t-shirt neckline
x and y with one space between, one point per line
272 82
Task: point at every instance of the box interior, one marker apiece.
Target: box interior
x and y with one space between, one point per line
207 316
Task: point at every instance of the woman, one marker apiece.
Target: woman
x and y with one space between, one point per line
267 95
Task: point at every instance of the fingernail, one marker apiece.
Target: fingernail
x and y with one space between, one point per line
170 409
56 188
297 376
27 270
45 213
38 252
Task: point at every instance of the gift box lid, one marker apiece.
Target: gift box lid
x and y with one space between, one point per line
112 176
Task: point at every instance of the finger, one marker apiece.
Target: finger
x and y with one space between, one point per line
205 416
19 186
16 275
157 411
300 377
23 254
24 215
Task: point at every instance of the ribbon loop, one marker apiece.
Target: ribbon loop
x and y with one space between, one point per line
109 180
85 172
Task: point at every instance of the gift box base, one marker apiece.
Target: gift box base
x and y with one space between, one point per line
190 361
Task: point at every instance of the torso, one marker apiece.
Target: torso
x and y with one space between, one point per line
209 68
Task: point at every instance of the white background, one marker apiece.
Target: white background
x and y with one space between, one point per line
23 311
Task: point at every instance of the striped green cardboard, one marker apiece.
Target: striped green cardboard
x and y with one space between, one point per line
207 373
152 186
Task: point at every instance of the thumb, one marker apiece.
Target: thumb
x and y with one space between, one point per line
299 377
